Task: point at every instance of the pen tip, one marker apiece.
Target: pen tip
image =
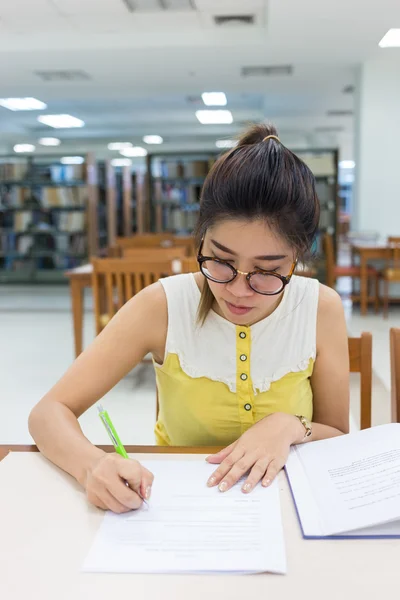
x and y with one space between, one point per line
99 408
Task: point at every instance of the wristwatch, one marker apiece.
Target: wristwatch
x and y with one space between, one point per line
306 424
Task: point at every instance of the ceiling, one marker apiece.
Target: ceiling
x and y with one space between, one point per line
141 68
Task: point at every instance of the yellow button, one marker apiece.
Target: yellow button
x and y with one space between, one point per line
247 407
242 335
243 357
243 377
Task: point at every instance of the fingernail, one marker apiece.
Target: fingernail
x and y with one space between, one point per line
266 482
147 493
246 487
223 486
211 481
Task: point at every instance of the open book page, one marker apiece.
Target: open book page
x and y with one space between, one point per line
190 528
348 483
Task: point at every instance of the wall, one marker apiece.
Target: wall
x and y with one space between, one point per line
377 146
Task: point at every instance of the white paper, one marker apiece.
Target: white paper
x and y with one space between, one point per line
349 484
190 528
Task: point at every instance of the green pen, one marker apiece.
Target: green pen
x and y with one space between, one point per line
113 435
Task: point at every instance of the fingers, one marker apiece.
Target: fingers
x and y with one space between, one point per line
118 484
221 455
113 504
272 471
147 483
232 461
255 475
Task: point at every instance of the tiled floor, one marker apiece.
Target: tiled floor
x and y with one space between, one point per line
36 348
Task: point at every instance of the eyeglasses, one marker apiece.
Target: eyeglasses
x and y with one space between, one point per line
267 283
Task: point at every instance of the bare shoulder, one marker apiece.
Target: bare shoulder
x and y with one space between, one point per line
331 323
142 321
329 303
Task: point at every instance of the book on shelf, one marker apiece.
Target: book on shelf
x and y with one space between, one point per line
348 486
13 171
62 197
22 220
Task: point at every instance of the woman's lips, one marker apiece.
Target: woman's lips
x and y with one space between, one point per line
238 310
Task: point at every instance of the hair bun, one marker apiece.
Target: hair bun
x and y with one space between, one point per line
256 134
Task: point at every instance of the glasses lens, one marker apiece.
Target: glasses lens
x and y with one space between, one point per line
266 284
216 271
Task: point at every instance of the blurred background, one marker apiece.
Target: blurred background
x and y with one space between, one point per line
111 114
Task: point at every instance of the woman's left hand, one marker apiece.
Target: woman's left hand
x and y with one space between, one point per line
263 450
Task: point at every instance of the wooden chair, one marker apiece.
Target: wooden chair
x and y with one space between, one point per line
116 280
334 271
154 254
360 354
391 273
146 240
159 240
189 265
395 374
304 270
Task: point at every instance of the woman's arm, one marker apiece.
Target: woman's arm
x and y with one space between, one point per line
264 448
138 328
330 378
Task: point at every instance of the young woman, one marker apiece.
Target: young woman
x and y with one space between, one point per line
247 355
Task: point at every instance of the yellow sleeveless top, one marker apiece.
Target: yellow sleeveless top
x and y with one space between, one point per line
219 379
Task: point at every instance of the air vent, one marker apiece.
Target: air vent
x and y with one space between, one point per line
348 89
63 75
194 100
340 113
222 20
272 71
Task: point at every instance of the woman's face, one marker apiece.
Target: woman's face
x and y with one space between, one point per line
248 246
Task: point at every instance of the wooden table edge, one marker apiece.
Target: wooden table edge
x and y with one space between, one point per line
6 448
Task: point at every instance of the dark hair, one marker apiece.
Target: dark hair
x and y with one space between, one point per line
260 179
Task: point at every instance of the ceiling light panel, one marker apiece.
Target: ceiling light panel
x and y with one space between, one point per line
134 152
49 141
72 160
214 98
61 121
22 148
391 39
153 139
214 117
16 104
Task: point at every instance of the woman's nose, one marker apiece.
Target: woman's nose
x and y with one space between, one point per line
239 287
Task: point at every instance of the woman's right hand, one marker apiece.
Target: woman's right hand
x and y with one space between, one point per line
106 483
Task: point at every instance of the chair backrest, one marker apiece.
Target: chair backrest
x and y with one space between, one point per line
304 270
189 265
360 354
329 259
152 240
116 280
394 243
395 374
154 254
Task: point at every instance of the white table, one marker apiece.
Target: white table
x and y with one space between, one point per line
47 527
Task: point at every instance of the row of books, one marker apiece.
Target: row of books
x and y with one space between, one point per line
18 171
175 219
182 195
56 250
44 197
72 222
